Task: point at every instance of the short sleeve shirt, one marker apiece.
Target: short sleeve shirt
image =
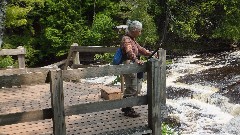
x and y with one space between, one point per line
132 49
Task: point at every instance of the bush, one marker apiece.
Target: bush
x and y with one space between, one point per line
7 61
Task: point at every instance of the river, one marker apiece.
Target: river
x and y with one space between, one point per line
203 92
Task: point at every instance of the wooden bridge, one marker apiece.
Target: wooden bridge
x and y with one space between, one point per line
48 101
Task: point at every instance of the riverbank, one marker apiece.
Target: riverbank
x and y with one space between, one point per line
182 47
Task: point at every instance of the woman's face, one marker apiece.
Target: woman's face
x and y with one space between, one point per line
136 33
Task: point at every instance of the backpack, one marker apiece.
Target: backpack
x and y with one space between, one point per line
118 57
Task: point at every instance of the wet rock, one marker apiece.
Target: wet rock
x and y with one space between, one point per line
174 93
226 78
173 119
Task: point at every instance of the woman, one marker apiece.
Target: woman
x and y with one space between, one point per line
132 51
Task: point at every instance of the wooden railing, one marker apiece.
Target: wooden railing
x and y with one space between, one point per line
73 54
20 52
155 98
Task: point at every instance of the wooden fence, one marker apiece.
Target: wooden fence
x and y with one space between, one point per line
155 98
20 52
73 54
75 50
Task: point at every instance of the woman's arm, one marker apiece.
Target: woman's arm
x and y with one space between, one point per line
143 51
127 47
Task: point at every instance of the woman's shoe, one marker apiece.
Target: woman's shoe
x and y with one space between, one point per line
129 112
132 114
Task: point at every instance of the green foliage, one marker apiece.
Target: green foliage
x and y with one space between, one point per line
168 62
16 16
229 25
184 17
201 19
61 26
20 30
138 10
102 27
13 41
7 61
167 129
53 36
47 28
100 33
17 11
116 80
106 57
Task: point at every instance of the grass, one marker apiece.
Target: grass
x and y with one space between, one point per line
167 129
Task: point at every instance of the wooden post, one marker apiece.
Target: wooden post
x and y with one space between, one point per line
155 81
75 55
162 58
72 54
122 83
68 59
21 57
57 102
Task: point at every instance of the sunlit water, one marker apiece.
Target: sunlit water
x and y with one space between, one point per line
199 108
205 111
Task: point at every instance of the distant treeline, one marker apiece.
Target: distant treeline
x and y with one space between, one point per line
46 28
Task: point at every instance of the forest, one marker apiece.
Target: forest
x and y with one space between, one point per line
47 28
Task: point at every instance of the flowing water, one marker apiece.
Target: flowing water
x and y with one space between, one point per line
3 4
203 93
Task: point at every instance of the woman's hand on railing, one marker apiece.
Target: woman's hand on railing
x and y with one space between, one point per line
140 62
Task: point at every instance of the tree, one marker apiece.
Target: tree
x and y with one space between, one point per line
139 10
229 26
205 19
47 28
19 30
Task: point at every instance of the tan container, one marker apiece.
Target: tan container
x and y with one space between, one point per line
108 93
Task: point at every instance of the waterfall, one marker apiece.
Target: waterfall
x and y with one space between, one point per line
3 4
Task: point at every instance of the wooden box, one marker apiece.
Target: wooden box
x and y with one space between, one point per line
109 93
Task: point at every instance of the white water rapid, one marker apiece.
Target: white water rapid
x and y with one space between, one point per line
201 110
205 112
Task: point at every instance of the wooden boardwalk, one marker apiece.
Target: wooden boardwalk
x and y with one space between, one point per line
68 108
36 97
